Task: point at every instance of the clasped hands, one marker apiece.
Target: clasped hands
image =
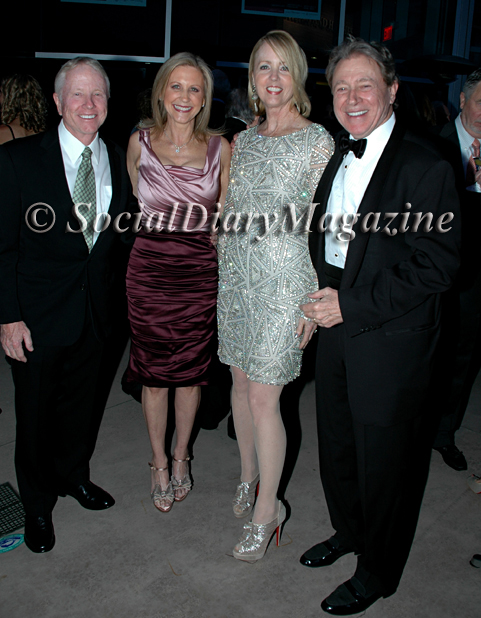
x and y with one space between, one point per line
323 311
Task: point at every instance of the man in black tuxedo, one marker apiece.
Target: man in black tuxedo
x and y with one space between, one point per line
54 292
461 334
378 307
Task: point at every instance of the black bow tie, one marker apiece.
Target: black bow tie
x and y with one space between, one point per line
358 146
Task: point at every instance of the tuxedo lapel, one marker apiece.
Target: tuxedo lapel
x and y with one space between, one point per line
371 202
316 238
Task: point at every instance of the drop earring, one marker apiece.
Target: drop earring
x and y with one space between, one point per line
255 98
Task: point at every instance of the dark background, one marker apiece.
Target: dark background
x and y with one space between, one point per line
218 31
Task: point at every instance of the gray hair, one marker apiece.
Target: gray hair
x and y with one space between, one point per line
72 64
471 83
355 46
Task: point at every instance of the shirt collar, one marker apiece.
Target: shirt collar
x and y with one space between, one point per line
377 140
74 147
465 139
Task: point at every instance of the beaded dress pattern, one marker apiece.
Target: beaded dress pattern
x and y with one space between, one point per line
265 271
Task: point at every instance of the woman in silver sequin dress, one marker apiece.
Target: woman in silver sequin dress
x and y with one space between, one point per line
265 273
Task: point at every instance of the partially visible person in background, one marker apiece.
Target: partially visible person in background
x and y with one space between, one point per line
459 354
144 109
24 107
442 113
238 115
221 92
428 112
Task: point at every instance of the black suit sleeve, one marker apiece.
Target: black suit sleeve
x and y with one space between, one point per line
10 223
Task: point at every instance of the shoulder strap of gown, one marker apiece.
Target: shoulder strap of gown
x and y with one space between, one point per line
144 137
215 148
11 131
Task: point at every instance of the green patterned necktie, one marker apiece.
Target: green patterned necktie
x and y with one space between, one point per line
85 193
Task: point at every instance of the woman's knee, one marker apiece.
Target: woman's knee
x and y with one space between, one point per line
263 401
154 391
240 382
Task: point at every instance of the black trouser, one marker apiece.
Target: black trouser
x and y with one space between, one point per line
56 425
459 357
373 476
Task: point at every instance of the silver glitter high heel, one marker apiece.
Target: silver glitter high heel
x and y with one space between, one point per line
245 497
162 499
256 537
181 485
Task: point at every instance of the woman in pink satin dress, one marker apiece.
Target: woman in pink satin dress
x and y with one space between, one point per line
179 171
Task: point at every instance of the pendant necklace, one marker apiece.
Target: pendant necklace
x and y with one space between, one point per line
178 148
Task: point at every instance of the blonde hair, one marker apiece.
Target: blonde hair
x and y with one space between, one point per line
286 47
159 113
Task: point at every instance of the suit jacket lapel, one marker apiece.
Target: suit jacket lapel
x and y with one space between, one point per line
371 202
54 171
54 168
449 133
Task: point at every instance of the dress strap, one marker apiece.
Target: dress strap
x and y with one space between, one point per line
144 137
214 149
11 131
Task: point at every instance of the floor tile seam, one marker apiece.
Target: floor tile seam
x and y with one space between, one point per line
116 405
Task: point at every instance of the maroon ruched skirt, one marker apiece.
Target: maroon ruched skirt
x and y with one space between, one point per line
172 293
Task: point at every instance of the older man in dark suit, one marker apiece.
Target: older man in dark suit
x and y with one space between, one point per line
378 308
55 281
461 338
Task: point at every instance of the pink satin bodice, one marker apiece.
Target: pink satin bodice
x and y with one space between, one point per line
176 192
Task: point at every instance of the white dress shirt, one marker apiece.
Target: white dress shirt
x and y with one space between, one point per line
466 142
348 188
72 150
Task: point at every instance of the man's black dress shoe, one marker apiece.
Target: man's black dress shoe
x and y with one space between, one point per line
453 457
324 554
39 536
89 496
346 600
